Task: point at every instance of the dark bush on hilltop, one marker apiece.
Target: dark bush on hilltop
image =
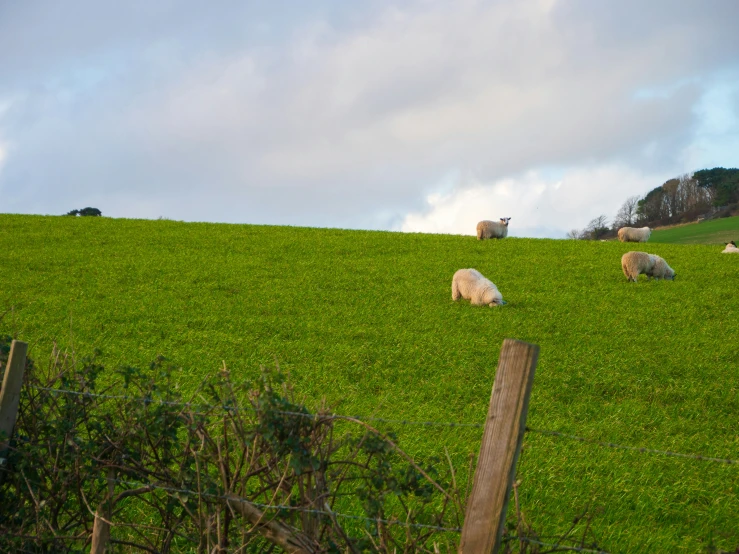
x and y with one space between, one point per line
85 212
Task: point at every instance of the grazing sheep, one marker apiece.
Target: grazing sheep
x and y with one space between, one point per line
730 248
632 234
471 285
493 229
651 265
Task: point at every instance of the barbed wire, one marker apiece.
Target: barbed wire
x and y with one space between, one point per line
147 400
633 448
555 545
371 418
451 424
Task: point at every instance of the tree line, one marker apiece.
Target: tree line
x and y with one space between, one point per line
707 193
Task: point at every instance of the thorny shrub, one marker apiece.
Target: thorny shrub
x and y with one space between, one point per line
236 467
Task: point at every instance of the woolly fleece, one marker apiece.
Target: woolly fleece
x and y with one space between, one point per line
632 234
651 265
471 285
487 229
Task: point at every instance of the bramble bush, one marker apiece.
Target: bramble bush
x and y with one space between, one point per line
125 453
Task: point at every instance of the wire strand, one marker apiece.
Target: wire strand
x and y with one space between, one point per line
251 409
632 448
450 424
555 545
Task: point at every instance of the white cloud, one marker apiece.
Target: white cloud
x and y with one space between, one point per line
539 205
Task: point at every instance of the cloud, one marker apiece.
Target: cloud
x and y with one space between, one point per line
335 114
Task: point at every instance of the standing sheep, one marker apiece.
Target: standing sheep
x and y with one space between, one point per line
730 248
493 229
632 234
471 285
651 265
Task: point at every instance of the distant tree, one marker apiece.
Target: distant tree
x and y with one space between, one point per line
596 229
94 212
651 208
671 199
90 212
574 234
627 213
682 198
724 182
694 200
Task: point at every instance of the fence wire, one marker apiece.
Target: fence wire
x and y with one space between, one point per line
450 424
632 448
228 407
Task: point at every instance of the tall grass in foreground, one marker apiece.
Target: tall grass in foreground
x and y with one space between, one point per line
365 320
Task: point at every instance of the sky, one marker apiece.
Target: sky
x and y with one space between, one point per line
417 116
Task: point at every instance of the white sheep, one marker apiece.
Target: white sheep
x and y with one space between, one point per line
632 234
651 265
471 285
493 229
730 248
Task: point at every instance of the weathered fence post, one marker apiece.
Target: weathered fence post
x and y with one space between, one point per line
501 443
103 515
11 391
10 396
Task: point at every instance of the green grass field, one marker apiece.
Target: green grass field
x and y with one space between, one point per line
365 319
715 231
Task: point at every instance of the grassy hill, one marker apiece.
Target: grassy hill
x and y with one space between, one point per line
715 231
365 319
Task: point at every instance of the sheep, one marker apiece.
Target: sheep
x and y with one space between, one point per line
730 248
471 285
493 229
632 234
651 265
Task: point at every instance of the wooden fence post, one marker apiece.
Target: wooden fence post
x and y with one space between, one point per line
10 396
103 515
501 443
10 393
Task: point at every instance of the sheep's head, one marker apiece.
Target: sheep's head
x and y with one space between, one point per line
494 298
505 220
